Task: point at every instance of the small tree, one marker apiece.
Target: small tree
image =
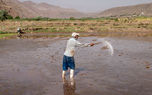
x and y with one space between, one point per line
4 15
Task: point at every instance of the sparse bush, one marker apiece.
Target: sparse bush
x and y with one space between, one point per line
72 18
116 19
9 17
38 18
17 17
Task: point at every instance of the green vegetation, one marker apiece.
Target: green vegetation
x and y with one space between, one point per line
6 35
63 19
4 15
110 26
17 17
1 32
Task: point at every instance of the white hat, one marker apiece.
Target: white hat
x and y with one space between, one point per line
75 34
18 28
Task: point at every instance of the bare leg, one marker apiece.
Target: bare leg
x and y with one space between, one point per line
63 74
71 74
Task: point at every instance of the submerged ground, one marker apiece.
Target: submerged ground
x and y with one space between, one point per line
33 67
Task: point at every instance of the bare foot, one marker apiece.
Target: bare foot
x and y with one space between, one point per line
64 80
72 82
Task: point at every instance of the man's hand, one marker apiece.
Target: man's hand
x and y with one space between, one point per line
91 44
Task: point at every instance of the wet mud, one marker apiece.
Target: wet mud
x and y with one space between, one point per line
34 66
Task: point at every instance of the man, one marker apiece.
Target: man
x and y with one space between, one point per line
19 32
68 59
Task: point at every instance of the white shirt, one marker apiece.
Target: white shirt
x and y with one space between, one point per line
72 43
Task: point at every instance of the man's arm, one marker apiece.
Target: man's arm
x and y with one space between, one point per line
83 45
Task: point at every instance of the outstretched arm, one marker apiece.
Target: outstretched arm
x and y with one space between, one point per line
83 45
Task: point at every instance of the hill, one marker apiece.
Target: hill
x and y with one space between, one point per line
29 9
135 10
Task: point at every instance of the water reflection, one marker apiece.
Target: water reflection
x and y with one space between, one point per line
69 87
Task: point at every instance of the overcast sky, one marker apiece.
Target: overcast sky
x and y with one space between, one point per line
92 5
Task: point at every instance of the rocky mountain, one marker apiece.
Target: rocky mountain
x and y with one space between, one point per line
29 9
135 10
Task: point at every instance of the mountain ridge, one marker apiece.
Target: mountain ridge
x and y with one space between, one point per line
29 9
139 9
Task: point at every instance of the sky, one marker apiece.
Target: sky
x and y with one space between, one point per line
92 5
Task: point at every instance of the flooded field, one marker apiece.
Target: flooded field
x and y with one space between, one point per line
34 66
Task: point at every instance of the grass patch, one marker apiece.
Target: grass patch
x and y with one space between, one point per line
1 32
6 35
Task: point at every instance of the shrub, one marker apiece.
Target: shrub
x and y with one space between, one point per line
17 17
9 17
72 18
3 15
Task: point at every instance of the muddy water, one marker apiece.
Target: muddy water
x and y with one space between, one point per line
33 67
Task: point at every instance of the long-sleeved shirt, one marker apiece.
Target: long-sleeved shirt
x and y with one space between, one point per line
72 43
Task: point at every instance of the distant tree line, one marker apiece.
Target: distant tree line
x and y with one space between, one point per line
4 16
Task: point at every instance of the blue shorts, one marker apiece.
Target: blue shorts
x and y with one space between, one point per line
68 62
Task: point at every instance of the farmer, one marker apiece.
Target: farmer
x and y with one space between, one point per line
19 32
68 58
